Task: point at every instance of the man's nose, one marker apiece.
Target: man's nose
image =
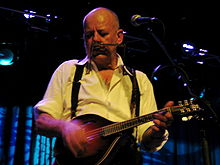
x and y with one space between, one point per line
96 37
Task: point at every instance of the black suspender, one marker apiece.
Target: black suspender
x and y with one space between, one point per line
75 88
135 98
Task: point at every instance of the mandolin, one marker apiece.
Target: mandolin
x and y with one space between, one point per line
105 137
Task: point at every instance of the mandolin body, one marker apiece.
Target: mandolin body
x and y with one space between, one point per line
100 149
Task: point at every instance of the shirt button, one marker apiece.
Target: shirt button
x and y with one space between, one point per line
109 104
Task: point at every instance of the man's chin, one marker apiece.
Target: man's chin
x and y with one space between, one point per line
100 56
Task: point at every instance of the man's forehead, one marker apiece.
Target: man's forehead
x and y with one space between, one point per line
99 12
100 17
98 23
97 18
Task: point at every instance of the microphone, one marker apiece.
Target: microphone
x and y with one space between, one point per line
137 20
100 44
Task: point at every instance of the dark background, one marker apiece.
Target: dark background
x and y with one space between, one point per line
40 47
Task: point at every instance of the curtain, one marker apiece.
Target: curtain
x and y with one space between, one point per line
20 145
18 142
186 144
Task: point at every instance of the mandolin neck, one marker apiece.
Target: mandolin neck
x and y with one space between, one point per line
125 125
186 109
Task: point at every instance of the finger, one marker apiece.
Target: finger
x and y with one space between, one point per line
78 148
166 118
155 128
160 124
70 145
76 144
169 116
82 141
169 104
157 131
160 116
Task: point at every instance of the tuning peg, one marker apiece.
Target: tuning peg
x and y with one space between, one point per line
184 118
180 103
187 118
186 102
190 102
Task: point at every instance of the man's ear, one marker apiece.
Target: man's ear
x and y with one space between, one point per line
120 36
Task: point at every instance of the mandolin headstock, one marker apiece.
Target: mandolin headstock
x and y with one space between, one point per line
186 110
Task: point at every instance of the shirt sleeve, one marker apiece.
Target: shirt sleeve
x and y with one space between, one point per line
52 102
148 105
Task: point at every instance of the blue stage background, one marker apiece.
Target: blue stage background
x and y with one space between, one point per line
19 144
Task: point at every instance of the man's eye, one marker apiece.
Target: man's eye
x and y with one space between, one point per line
103 34
88 35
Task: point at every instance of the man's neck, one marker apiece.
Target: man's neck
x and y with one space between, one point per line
106 63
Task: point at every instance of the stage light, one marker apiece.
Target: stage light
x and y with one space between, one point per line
188 47
155 78
202 52
6 57
202 94
29 14
191 50
200 62
156 69
185 84
154 72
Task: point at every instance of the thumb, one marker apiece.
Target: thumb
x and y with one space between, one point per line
169 104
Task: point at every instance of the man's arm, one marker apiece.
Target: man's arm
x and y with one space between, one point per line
73 136
156 134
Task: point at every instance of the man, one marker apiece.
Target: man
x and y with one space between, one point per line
105 90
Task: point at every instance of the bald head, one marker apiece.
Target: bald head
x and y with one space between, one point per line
102 15
101 26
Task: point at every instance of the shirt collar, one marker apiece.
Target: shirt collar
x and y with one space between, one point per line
91 65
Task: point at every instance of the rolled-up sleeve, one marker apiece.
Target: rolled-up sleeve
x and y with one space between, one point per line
148 105
53 100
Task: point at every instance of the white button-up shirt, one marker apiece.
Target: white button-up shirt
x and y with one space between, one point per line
112 103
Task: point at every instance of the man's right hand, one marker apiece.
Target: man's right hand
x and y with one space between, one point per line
74 138
72 134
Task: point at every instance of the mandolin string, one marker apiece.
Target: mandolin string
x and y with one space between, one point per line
114 128
117 127
94 133
110 129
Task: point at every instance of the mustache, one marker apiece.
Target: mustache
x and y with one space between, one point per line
101 48
108 44
98 48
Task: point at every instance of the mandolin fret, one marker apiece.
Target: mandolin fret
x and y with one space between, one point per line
121 126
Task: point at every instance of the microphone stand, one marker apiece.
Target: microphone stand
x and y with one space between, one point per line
184 77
